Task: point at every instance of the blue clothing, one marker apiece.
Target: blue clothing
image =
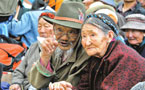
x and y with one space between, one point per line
31 1
26 27
3 27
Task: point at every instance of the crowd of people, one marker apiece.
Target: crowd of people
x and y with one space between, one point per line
78 44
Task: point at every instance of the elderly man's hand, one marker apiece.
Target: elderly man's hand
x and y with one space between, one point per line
48 46
15 87
62 85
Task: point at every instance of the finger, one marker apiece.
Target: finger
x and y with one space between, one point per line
46 46
68 89
50 43
62 88
53 40
57 87
66 84
50 86
19 89
11 87
55 43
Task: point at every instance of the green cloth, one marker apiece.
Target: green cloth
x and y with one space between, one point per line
7 7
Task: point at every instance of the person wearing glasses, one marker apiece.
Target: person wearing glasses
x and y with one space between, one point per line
62 56
114 65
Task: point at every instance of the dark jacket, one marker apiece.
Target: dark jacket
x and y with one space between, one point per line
120 69
136 9
140 49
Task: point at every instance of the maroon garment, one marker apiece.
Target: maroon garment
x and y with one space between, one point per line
120 69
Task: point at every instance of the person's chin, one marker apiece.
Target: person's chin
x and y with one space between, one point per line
133 42
64 48
90 53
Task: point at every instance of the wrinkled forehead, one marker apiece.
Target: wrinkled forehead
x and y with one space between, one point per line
64 28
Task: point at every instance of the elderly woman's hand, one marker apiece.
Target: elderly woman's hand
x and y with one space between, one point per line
62 85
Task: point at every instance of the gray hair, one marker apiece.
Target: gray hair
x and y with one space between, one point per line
98 23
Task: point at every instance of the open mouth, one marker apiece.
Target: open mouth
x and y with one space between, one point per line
64 44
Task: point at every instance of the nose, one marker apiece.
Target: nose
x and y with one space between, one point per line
130 34
64 37
42 29
88 41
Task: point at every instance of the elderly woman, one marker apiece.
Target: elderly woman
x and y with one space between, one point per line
114 65
135 32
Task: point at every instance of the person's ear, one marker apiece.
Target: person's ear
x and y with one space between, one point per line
110 36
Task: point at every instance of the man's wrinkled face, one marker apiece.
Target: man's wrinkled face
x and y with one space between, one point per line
65 36
135 37
45 28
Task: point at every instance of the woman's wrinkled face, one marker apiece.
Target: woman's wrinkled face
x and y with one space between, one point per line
45 28
65 36
135 37
94 41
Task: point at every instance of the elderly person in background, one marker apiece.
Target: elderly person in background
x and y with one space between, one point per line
114 65
63 57
26 27
87 3
135 32
99 7
19 78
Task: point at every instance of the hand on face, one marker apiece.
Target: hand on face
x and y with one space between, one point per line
62 85
15 87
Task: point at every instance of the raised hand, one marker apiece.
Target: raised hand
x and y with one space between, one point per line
48 46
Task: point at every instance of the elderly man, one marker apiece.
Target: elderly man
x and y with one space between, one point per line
62 56
135 32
